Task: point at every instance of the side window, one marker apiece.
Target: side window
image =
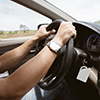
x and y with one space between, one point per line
18 21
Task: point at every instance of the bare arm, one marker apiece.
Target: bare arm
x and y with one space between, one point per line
29 74
13 57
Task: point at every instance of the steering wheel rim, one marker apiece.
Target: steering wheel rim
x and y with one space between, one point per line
51 81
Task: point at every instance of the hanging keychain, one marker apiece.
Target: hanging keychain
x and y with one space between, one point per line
83 73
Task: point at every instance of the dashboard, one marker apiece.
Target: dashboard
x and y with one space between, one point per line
88 39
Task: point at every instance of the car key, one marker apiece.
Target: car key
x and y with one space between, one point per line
83 74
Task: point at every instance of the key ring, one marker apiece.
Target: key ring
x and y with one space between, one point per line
84 62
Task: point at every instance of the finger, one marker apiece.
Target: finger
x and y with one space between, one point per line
74 34
45 25
51 32
74 31
73 27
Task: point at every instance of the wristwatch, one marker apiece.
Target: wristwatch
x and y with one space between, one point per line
53 46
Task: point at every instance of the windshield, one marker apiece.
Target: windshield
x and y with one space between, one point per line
81 10
18 21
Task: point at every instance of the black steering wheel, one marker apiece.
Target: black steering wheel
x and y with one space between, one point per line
52 79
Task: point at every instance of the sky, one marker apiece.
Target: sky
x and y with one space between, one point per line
84 10
12 15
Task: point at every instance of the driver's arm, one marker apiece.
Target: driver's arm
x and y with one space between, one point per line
13 57
29 74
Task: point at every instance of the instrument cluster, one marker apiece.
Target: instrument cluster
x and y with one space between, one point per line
92 43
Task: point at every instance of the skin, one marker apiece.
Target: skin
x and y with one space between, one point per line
15 86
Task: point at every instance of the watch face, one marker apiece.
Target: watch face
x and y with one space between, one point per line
54 46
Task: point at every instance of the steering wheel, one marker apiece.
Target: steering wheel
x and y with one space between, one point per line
52 79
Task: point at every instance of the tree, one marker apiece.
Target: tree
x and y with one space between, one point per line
23 27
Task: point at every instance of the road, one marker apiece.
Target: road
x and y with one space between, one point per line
12 41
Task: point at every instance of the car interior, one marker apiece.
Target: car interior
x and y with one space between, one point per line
83 51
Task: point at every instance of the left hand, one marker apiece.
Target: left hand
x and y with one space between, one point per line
42 33
64 33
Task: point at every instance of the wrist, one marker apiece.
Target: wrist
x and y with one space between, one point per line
35 38
58 41
53 46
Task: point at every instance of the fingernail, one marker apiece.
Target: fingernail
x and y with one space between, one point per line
54 30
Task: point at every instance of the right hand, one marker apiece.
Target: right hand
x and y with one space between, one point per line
42 33
65 32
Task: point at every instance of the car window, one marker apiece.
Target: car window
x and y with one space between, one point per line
18 21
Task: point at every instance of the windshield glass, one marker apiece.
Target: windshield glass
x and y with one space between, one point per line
18 21
81 10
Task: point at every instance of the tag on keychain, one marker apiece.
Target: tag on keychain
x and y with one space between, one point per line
83 74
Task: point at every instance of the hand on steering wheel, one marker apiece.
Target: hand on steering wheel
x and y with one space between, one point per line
53 79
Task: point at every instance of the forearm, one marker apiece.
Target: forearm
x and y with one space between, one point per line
29 74
13 57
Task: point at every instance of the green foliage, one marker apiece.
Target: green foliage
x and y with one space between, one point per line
11 34
24 28
97 22
1 32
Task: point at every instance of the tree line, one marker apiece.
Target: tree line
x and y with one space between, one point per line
23 28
